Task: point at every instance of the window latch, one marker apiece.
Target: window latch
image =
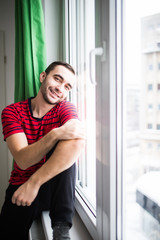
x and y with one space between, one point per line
100 51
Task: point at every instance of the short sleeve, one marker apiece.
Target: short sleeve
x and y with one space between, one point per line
67 111
10 122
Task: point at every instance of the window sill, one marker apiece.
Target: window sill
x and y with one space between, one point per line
77 232
86 215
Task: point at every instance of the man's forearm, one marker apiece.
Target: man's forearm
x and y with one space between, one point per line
33 153
61 159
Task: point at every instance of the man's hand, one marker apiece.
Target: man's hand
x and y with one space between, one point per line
72 129
25 194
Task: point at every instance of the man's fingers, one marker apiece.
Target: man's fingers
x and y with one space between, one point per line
28 204
19 201
73 129
23 204
14 199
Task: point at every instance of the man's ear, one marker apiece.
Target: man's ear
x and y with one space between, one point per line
42 76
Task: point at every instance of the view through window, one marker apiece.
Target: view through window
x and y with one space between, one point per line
86 178
82 41
141 23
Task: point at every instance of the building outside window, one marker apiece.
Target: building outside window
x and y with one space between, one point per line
141 162
150 107
150 87
158 86
150 67
149 145
149 126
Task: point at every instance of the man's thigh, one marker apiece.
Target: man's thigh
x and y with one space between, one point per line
63 196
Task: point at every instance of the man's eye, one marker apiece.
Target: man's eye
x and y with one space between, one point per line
57 79
67 88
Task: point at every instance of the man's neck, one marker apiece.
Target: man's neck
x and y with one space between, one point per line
39 106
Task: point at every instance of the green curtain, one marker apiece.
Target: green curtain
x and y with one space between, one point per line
30 49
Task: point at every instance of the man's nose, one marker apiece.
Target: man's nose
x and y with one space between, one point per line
59 88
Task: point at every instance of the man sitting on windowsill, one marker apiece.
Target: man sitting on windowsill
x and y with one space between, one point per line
45 138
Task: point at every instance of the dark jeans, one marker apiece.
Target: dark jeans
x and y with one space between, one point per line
56 195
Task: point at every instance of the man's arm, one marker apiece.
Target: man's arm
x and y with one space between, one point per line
65 154
27 155
61 159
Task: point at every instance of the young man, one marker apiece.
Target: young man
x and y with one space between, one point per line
45 138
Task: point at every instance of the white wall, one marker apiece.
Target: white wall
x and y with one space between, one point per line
3 147
53 29
7 27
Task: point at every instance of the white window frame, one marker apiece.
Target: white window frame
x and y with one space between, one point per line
104 226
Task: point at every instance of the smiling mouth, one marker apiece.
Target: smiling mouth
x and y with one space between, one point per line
53 93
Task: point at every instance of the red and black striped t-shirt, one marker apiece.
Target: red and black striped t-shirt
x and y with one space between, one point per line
18 118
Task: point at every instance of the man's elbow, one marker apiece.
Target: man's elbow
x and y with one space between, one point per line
79 143
74 146
20 160
20 164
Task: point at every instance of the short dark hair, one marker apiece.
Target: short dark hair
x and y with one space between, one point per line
57 63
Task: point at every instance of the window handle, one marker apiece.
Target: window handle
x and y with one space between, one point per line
100 51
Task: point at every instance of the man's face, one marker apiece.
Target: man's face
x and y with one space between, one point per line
56 85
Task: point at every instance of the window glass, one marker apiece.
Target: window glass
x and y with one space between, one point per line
141 161
158 126
82 41
150 67
150 107
158 86
149 126
150 87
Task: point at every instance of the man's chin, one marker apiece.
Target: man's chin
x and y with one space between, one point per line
52 101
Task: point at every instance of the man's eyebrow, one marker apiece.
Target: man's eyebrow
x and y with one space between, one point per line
58 75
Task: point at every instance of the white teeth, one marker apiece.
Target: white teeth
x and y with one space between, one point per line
53 92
